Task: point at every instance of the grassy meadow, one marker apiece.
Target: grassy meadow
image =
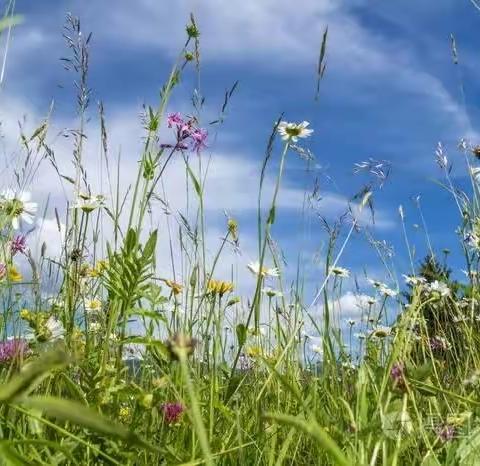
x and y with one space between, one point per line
106 361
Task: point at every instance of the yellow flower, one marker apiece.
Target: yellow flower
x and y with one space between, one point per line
14 275
253 351
124 413
219 287
176 287
233 228
25 314
98 269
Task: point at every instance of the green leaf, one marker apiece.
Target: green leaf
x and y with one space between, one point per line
31 375
72 411
241 330
312 429
195 182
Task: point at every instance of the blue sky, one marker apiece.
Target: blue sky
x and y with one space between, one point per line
390 92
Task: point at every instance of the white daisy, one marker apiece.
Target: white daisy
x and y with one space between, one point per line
413 280
93 305
88 203
18 207
388 291
376 283
254 267
382 331
293 131
318 349
271 293
55 328
440 288
340 272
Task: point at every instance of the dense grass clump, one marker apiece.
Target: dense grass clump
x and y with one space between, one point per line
105 360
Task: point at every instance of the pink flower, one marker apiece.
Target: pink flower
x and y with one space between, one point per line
12 348
174 119
18 244
199 136
172 412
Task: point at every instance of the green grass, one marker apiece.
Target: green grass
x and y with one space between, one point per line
406 394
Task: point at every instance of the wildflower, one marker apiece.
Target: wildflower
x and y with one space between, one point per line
88 203
180 345
388 291
55 328
271 293
98 268
174 119
198 137
317 349
376 283
413 280
340 272
293 131
232 226
175 287
172 411
18 207
439 288
397 374
18 244
253 351
95 327
124 413
370 300
245 363
446 433
382 331
14 274
11 349
254 267
93 305
219 287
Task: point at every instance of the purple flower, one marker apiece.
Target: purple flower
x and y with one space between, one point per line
446 433
18 244
199 136
174 119
397 374
12 348
172 412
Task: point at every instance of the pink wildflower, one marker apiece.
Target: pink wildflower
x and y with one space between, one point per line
174 119
172 412
18 244
199 136
12 348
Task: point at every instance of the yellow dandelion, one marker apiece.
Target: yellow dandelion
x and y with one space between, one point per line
175 287
14 274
